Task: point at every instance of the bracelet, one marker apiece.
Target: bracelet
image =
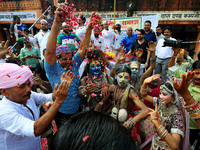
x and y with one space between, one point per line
188 107
194 110
164 134
152 60
58 103
188 98
154 118
162 131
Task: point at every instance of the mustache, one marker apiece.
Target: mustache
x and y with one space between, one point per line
29 93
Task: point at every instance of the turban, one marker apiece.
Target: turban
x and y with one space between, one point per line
63 49
12 75
117 22
43 20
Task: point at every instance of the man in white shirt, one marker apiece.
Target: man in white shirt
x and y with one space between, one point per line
81 30
98 39
163 54
108 35
118 35
20 121
41 37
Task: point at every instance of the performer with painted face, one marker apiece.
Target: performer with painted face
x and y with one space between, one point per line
124 97
94 83
168 117
137 80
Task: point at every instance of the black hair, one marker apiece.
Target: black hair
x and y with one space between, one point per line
142 31
92 130
83 18
159 27
44 50
26 30
14 60
121 68
148 21
196 65
198 55
169 86
137 30
167 28
15 17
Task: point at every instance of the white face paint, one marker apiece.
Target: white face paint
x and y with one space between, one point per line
123 79
134 71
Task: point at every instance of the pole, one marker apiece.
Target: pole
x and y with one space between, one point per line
114 9
39 18
34 23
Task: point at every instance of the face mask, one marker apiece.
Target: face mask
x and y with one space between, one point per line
123 79
96 35
95 68
118 28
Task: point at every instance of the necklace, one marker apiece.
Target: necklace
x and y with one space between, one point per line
117 101
167 112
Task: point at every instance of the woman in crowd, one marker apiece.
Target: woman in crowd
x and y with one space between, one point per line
168 116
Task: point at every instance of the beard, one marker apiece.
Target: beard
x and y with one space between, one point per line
96 35
67 32
135 77
46 29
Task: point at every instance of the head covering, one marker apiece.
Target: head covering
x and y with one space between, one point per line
122 68
63 49
43 20
118 22
12 75
64 24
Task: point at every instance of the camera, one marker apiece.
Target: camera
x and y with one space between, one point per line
172 43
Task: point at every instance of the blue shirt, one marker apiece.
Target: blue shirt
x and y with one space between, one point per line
23 26
54 72
151 36
128 41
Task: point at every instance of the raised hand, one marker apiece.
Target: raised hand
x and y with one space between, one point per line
60 13
154 114
182 88
176 50
151 78
69 76
152 46
121 56
4 45
62 91
138 52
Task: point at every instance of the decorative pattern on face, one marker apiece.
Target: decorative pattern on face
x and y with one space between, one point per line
165 97
134 68
95 67
123 79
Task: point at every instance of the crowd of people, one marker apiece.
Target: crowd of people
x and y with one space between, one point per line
103 87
